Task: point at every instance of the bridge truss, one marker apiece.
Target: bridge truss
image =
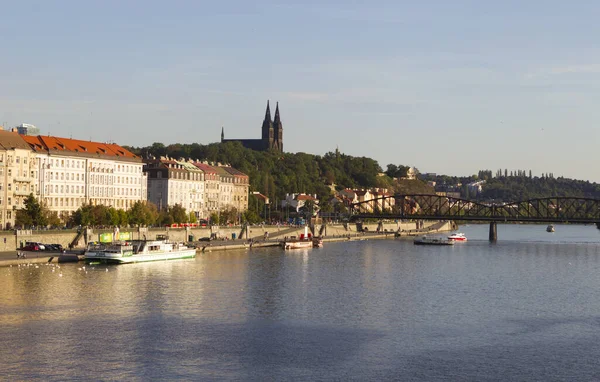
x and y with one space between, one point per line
436 207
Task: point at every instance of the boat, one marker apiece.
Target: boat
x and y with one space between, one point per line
458 236
550 228
304 241
433 241
137 251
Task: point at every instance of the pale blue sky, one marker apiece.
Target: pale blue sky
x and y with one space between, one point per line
447 86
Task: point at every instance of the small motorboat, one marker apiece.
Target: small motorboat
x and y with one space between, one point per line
458 236
550 228
433 241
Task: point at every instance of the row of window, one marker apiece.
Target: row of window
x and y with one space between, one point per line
18 173
67 163
77 202
98 179
94 191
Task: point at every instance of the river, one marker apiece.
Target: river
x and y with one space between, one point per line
526 308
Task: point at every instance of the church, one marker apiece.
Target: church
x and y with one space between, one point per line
272 134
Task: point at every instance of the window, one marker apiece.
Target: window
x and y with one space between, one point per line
18 159
25 160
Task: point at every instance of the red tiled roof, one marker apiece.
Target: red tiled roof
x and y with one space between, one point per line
233 171
204 167
305 197
44 142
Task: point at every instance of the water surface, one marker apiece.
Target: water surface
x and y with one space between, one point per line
526 308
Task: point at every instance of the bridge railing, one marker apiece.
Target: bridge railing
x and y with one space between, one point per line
422 206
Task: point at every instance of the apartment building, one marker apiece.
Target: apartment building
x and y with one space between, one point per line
73 172
241 188
173 182
226 180
211 187
18 176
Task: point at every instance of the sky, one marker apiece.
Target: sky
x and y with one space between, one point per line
449 87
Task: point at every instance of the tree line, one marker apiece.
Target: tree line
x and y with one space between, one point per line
143 214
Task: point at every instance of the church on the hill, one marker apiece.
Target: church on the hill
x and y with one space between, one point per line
272 134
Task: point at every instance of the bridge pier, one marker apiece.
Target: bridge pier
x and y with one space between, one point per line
493 232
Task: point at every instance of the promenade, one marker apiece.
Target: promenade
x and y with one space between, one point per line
334 234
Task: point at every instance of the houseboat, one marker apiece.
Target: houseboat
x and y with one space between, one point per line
136 251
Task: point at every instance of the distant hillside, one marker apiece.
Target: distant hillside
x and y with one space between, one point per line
276 174
522 188
519 185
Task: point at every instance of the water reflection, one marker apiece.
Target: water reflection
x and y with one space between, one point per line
367 310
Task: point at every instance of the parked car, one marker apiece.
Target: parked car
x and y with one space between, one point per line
31 246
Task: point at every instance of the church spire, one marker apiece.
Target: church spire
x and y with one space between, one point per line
268 113
222 133
277 119
277 131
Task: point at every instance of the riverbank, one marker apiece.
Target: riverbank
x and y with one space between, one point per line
332 233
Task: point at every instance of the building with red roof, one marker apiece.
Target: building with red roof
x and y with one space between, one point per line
74 172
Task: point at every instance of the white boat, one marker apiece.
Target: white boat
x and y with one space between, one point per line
136 251
304 241
550 228
458 236
296 244
433 241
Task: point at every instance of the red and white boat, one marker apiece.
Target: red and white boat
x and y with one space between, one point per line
457 237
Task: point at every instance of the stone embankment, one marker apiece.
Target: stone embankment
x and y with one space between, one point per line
227 238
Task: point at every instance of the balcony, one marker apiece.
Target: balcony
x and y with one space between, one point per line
22 179
22 193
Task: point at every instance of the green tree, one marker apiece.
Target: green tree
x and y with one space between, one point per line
165 218
214 218
32 214
142 214
178 213
54 220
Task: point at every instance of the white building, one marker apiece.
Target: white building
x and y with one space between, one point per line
173 182
18 175
27 129
74 172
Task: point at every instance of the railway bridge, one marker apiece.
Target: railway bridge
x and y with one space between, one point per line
437 207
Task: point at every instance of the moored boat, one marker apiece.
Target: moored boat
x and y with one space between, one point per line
424 240
304 241
136 251
457 236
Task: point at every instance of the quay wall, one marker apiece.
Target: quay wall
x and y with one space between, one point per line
10 241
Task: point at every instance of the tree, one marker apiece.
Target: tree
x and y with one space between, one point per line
142 214
178 213
165 218
33 213
54 220
214 218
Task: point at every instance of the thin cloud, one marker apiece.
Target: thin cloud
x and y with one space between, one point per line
569 69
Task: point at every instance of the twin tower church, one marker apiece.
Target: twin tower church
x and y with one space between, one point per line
272 134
